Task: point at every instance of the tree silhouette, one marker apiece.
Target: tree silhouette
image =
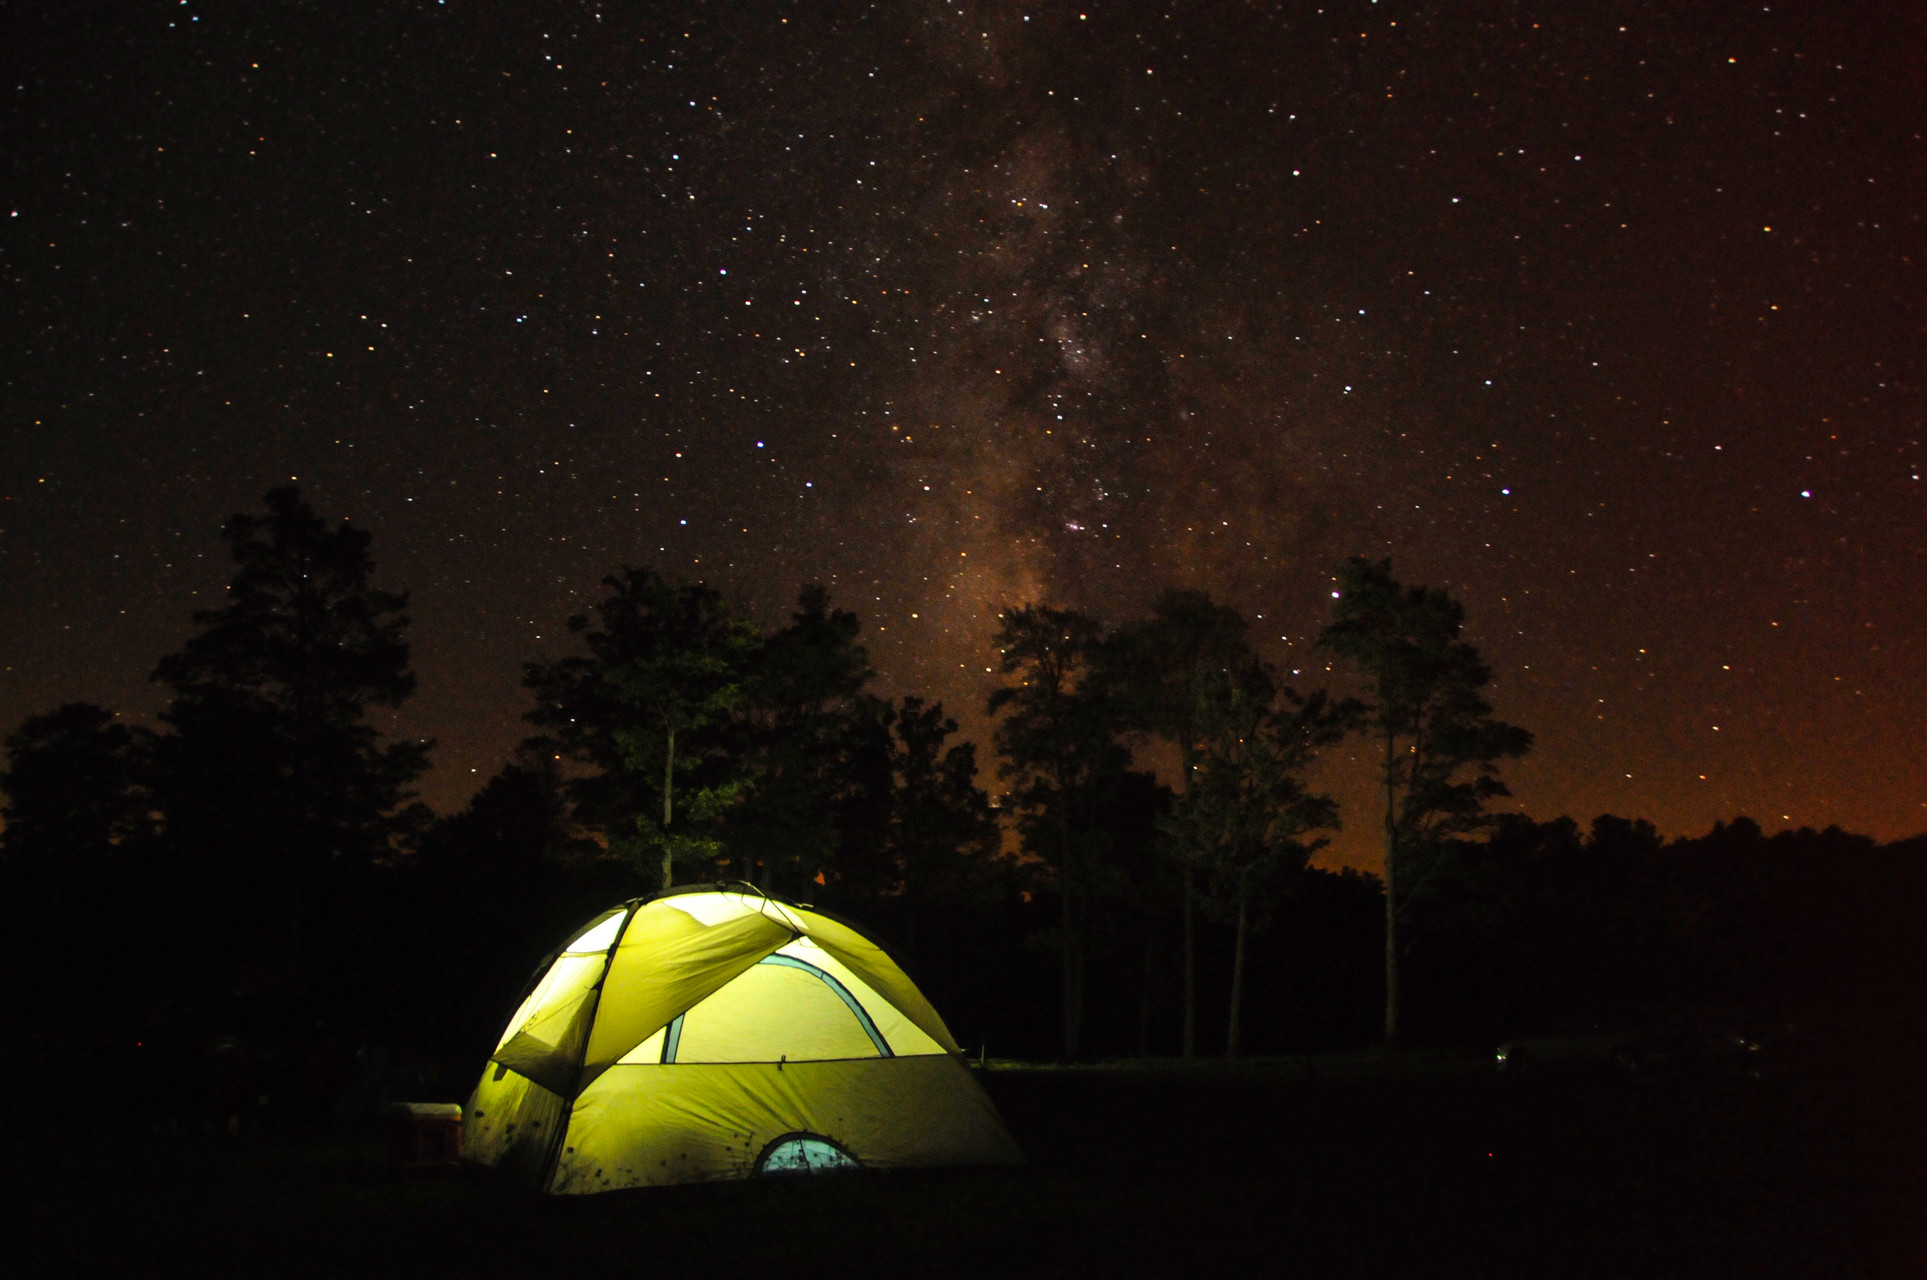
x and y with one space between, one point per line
1059 742
75 789
943 834
1432 724
799 713
76 845
272 774
668 666
1174 674
1246 819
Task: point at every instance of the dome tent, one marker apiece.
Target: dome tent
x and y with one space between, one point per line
713 1033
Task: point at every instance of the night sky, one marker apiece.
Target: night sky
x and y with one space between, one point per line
1606 317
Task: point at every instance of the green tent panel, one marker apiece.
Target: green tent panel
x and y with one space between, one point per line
708 1034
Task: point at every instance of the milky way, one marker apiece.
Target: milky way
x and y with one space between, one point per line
1609 321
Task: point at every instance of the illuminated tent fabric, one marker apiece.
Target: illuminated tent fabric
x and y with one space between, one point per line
708 1034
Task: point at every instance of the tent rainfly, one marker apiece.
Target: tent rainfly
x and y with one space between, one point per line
707 1034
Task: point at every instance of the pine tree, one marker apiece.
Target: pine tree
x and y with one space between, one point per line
1058 739
1439 744
650 709
943 835
77 845
1247 819
796 738
1172 673
271 779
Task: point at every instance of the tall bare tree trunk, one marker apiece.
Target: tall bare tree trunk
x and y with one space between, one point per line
1391 897
298 922
668 812
1072 993
1231 1036
1186 764
1144 1006
1190 971
1071 956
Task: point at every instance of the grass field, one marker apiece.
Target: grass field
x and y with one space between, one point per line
1363 1164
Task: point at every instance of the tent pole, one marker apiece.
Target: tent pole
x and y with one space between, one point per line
554 1156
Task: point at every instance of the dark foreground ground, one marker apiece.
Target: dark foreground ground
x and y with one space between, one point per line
1421 1165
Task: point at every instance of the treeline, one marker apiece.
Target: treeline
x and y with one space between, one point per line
258 866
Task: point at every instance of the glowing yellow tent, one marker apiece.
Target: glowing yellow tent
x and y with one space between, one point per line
707 1034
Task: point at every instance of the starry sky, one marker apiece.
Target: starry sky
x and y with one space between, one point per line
1607 317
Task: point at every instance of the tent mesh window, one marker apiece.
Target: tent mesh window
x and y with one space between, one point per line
803 1154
